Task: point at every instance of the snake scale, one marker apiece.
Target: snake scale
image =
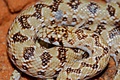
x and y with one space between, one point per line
67 39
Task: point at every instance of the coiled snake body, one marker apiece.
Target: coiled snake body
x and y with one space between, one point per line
67 39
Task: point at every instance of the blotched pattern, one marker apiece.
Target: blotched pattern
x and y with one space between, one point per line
67 39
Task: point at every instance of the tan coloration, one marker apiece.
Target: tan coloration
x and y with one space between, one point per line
42 39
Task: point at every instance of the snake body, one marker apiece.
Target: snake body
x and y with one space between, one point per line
67 39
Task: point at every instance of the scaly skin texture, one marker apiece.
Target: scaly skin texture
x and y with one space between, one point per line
67 39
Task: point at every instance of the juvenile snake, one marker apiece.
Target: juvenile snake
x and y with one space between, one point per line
67 39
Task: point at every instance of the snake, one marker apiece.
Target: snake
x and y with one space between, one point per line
65 39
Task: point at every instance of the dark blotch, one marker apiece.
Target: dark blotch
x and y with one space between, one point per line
83 63
74 20
100 28
80 34
74 4
52 22
64 19
117 23
28 52
90 22
114 32
62 54
55 5
78 71
111 10
97 58
45 57
65 35
95 66
116 52
18 37
37 14
23 22
106 50
96 37
68 70
38 8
